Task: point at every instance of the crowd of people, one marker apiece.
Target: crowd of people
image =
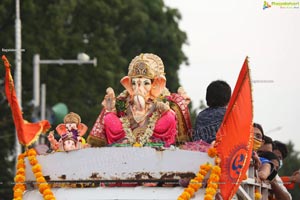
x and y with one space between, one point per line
268 155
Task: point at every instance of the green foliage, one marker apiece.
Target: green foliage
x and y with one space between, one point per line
290 164
113 31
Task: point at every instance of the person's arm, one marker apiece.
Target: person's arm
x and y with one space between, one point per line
279 190
295 178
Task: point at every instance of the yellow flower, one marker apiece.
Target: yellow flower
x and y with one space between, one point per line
48 197
47 192
216 170
189 190
208 197
257 196
36 168
213 185
21 171
41 179
20 165
38 175
137 144
18 193
21 156
206 167
214 178
199 177
31 152
43 187
210 191
19 179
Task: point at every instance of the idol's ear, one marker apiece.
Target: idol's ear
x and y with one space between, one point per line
158 85
61 129
126 82
82 128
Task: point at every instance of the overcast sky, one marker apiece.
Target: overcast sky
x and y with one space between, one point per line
222 33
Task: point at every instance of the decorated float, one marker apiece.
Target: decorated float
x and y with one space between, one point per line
139 146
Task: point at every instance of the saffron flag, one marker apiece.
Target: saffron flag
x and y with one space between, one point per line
27 132
234 139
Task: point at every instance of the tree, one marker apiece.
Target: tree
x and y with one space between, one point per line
114 31
290 164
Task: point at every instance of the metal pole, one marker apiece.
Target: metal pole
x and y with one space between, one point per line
43 107
36 80
18 71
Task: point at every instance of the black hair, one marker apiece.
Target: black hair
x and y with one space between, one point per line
268 155
280 147
218 94
268 140
257 125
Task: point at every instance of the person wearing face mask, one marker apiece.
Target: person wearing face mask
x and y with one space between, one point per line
281 150
279 190
258 135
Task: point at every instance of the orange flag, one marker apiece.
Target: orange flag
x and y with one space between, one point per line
234 140
27 132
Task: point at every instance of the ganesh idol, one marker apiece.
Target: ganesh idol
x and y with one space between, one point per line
145 112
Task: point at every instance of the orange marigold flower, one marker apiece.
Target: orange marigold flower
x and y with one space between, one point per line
213 185
42 187
199 177
180 198
47 192
37 168
20 165
41 179
31 152
186 195
216 170
206 167
18 193
38 174
19 179
20 162
193 181
191 191
19 186
48 197
214 178
208 197
203 172
195 185
21 156
21 171
212 152
210 191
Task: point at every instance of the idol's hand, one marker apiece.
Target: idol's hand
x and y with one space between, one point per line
109 101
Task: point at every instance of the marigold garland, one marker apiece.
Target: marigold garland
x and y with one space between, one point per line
148 132
42 184
197 182
19 179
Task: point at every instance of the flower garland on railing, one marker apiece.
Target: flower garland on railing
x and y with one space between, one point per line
42 184
197 182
